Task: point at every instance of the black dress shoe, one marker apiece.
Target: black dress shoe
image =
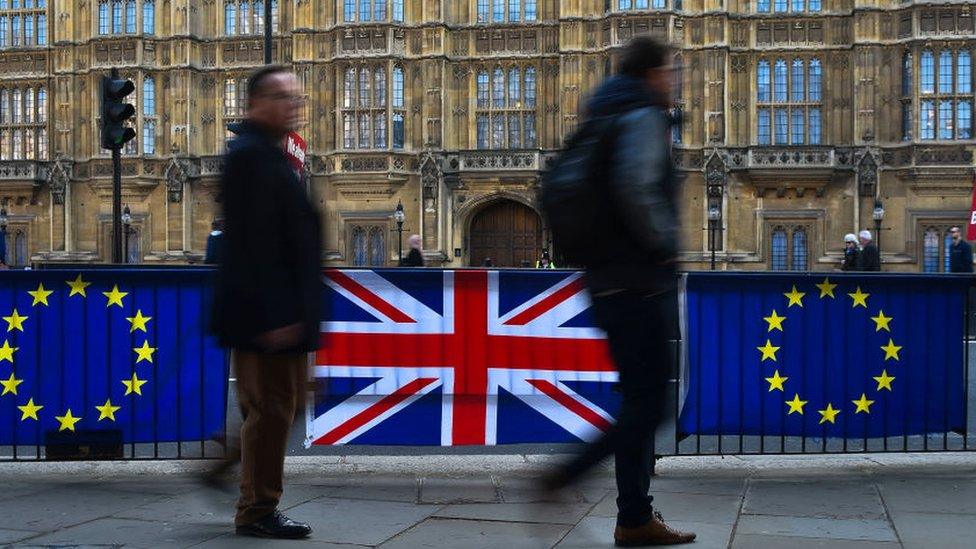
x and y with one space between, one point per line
277 526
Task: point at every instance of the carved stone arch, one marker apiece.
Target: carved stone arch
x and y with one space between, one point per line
504 226
467 211
716 172
430 179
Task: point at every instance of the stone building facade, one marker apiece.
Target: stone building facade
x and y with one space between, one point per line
799 117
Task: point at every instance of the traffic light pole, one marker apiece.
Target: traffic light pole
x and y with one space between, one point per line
267 32
116 198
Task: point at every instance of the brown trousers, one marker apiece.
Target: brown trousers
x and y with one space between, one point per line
270 391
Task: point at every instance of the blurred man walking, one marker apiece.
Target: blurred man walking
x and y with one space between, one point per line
268 294
629 249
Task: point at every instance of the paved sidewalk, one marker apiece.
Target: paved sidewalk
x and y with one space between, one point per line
853 505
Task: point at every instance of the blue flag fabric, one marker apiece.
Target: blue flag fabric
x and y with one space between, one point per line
109 350
810 355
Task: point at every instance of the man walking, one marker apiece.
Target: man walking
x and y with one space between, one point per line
268 294
631 279
960 253
869 258
414 258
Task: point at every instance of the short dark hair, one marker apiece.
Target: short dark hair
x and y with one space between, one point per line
256 80
643 54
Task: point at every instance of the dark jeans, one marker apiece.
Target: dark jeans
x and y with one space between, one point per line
637 327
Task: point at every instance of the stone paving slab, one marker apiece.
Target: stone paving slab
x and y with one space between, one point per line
754 541
131 533
593 532
359 522
935 531
940 494
471 534
551 513
807 527
231 541
10 536
458 490
49 510
715 509
821 499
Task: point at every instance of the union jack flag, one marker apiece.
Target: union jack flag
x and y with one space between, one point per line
472 357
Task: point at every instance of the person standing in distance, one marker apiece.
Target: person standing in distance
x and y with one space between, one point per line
633 279
869 258
851 251
960 253
267 307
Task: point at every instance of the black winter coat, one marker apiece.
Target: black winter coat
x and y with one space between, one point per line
961 258
869 258
269 274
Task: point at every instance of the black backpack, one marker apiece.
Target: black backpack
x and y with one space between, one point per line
571 196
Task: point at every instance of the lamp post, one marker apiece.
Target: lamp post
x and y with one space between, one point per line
3 235
878 215
126 228
399 216
714 218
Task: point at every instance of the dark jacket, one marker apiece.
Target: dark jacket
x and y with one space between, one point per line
269 275
961 257
214 243
869 258
850 259
413 259
638 225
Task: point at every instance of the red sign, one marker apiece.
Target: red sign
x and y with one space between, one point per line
971 232
295 148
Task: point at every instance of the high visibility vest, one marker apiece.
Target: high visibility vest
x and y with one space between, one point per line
538 265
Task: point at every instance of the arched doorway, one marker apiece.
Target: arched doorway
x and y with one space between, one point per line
508 232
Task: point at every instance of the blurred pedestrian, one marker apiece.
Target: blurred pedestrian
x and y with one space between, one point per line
488 262
868 258
849 263
415 258
630 272
267 309
545 262
960 253
215 242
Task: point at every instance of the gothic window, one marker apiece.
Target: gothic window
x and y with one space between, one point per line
23 24
625 5
148 115
946 110
246 17
368 245
936 243
783 6
511 11
789 101
367 11
506 108
235 102
789 248
121 17
370 108
23 123
148 17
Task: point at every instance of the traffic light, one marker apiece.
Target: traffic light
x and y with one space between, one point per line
115 113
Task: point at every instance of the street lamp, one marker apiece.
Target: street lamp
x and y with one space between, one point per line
126 229
3 235
714 218
878 215
399 216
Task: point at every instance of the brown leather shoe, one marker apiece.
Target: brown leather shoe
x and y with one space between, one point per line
653 532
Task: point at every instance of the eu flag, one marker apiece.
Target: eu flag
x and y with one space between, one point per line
846 356
125 351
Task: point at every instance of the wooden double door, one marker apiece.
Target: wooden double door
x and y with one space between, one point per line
508 232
